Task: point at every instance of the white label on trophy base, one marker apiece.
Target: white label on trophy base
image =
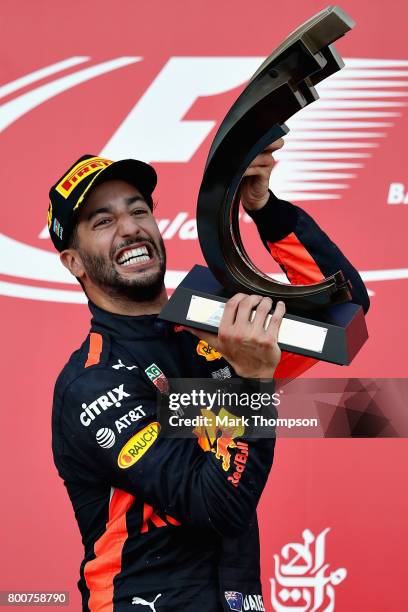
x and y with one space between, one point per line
293 333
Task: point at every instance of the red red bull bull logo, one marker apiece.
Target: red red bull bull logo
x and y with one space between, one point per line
240 460
220 439
221 451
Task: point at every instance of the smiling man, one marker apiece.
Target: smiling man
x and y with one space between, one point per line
167 524
119 272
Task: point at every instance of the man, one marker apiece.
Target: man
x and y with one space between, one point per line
166 523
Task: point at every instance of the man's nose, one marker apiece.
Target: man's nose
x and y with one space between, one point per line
127 225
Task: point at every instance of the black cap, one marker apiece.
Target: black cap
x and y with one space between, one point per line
68 194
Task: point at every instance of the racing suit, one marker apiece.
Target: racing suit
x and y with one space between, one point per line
170 524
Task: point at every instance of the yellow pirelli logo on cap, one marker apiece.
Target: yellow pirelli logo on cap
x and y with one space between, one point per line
79 172
49 215
138 445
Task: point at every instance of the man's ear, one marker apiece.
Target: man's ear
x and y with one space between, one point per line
71 259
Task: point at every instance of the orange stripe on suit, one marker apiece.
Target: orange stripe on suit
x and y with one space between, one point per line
95 349
101 571
301 269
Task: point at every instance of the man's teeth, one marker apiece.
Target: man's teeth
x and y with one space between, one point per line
138 259
134 256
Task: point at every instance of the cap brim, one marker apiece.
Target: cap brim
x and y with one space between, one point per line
137 173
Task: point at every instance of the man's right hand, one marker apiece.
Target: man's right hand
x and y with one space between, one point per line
251 349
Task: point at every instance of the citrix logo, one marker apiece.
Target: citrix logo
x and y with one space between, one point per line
112 398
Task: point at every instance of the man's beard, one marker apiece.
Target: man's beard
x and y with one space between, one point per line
140 289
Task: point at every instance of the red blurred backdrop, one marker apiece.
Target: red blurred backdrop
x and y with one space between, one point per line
153 80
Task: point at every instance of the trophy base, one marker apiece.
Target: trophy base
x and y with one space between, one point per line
334 334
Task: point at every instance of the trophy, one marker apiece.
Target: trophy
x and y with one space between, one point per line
320 320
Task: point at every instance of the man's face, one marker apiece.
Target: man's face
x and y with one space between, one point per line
119 243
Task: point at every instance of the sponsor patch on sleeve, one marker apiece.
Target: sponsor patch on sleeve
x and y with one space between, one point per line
138 445
207 351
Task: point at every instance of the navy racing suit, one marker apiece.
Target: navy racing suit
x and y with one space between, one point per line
170 524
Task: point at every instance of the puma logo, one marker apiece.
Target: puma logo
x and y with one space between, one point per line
143 602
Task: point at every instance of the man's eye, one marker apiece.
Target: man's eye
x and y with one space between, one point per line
102 222
139 211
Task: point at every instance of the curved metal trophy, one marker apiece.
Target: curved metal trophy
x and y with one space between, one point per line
282 85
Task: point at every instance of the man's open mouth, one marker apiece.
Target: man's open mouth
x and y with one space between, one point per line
134 255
